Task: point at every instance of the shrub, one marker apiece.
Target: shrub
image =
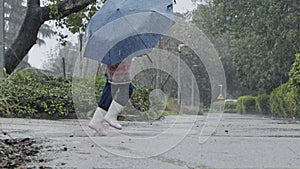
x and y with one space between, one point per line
86 93
263 104
140 97
32 93
284 101
292 100
277 104
29 93
295 86
246 104
227 107
230 107
295 71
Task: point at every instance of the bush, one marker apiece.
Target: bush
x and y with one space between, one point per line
293 101
86 93
30 93
246 104
284 101
263 104
294 96
227 107
295 72
230 107
140 97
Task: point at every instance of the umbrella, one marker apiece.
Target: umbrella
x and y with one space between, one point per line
122 29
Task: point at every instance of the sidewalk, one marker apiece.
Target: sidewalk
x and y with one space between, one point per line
240 141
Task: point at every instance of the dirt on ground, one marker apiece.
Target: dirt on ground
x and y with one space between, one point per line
16 152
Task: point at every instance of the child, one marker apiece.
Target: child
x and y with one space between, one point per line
115 95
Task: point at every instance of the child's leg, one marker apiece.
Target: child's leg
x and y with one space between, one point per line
106 97
97 121
121 94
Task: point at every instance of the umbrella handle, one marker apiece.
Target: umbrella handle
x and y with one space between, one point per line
171 5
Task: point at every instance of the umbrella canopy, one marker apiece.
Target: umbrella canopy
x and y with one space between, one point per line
122 29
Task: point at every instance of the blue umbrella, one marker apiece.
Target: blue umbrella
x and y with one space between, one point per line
123 29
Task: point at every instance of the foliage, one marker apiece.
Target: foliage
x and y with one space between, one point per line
32 93
170 113
86 92
204 18
29 93
37 13
295 72
284 101
246 104
261 36
35 94
295 85
263 104
75 22
230 107
140 97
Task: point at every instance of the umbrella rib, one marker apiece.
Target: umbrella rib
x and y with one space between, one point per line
132 27
135 32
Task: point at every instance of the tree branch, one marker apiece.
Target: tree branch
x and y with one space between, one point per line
66 8
35 17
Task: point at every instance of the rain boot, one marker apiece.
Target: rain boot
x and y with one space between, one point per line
97 122
112 114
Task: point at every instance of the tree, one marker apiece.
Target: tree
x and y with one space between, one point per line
263 38
35 16
204 18
14 15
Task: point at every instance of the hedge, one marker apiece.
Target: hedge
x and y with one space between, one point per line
263 104
230 107
246 104
285 101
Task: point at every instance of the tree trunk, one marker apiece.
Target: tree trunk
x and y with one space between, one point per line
35 17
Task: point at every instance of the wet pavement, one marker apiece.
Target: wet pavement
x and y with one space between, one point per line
239 141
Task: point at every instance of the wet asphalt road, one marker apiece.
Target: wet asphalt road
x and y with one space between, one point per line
239 141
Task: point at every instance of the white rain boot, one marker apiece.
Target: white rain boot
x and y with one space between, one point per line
97 122
112 114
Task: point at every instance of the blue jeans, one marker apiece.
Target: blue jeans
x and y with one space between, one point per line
121 93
